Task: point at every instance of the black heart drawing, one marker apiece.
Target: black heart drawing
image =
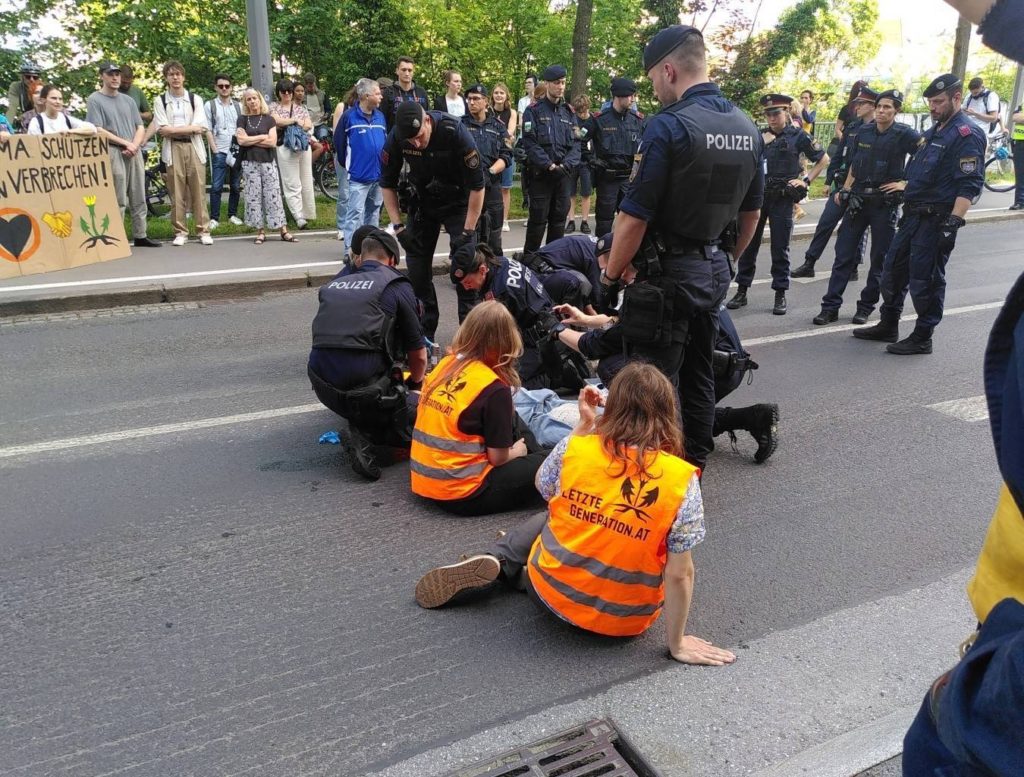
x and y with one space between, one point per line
15 233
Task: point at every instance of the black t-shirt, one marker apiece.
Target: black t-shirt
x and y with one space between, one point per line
258 125
846 113
490 416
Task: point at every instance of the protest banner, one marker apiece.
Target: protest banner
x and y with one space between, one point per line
57 204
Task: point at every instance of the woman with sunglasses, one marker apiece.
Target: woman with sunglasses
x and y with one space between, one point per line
296 166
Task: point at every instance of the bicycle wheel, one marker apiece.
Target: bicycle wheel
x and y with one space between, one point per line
327 180
999 175
156 194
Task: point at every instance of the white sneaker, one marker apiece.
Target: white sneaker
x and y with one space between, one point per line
341 235
214 224
179 240
206 239
505 227
236 221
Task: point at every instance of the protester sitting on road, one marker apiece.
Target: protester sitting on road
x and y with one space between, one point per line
294 158
257 137
55 119
471 454
624 512
368 321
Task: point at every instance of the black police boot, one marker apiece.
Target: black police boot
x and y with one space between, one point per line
364 459
806 270
585 228
917 343
739 299
861 317
571 226
887 331
780 307
826 317
764 428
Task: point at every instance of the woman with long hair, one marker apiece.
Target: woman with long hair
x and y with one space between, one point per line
501 104
470 454
261 188
624 510
54 119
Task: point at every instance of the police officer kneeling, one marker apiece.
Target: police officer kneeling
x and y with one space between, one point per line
368 318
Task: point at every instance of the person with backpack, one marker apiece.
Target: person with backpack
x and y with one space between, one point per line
222 115
983 107
181 122
55 119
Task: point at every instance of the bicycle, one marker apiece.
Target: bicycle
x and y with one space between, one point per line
999 172
323 169
156 186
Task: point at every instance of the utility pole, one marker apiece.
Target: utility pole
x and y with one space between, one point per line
258 28
961 47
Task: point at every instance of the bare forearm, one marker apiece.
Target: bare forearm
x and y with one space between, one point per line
629 233
678 595
747 223
818 167
391 205
417 364
961 206
476 204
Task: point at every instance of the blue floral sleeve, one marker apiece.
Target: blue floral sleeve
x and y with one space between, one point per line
549 475
688 528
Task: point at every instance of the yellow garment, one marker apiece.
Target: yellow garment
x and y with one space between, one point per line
1000 572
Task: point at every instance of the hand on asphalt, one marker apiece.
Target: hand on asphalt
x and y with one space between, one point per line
695 650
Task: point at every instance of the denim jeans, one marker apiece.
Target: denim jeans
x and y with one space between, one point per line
222 173
363 207
339 211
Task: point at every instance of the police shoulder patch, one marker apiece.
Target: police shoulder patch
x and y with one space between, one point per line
472 159
968 164
965 130
527 126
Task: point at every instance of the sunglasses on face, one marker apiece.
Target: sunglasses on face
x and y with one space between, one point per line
33 78
223 86
285 91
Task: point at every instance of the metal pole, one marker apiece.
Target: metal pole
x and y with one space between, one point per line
258 26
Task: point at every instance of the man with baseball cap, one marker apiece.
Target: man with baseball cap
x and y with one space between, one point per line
615 134
368 322
550 138
447 180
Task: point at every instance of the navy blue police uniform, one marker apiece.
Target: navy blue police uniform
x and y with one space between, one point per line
568 268
949 164
615 138
878 158
698 165
832 213
493 142
550 138
441 176
782 164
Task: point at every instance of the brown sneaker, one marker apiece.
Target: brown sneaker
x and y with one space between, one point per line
439 586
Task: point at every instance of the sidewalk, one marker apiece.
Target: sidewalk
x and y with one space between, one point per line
234 267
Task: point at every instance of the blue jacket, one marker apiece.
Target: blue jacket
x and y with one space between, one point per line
358 141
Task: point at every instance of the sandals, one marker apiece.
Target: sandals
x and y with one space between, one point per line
288 237
260 239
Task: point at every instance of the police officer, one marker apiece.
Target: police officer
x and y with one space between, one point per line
615 134
552 148
698 165
495 147
545 362
786 184
1017 142
943 177
569 268
864 108
872 196
447 180
367 320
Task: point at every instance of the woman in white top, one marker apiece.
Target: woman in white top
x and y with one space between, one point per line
452 100
54 119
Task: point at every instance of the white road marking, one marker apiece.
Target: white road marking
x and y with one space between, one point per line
154 431
969 409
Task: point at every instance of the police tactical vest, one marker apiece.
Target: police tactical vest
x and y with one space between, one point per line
519 289
706 189
617 138
782 157
879 157
350 314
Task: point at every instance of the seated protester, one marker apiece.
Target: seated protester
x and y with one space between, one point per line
613 572
569 268
545 363
471 455
368 320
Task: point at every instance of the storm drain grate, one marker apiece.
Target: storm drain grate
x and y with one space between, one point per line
595 749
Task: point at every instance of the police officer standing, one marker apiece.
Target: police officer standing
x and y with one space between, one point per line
447 180
872 194
786 184
615 134
698 166
495 147
943 177
552 153
367 321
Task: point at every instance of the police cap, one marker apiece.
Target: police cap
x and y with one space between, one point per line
772 101
891 94
623 87
384 238
554 73
604 244
665 42
866 94
479 89
408 120
356 244
463 263
944 83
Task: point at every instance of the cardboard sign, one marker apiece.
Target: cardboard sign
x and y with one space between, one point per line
57 204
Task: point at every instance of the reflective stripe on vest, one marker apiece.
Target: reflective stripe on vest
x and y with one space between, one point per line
444 463
600 559
1018 131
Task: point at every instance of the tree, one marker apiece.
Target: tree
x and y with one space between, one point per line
580 47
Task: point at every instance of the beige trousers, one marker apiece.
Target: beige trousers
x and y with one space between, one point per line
186 183
297 182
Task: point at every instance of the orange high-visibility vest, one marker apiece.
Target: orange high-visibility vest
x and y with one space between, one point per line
444 463
600 559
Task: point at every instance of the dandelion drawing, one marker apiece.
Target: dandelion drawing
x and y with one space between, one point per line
96 234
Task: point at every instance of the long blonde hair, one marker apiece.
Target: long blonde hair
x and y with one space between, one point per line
263 103
488 335
641 416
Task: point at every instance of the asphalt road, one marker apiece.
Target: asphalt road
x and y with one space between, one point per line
226 597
